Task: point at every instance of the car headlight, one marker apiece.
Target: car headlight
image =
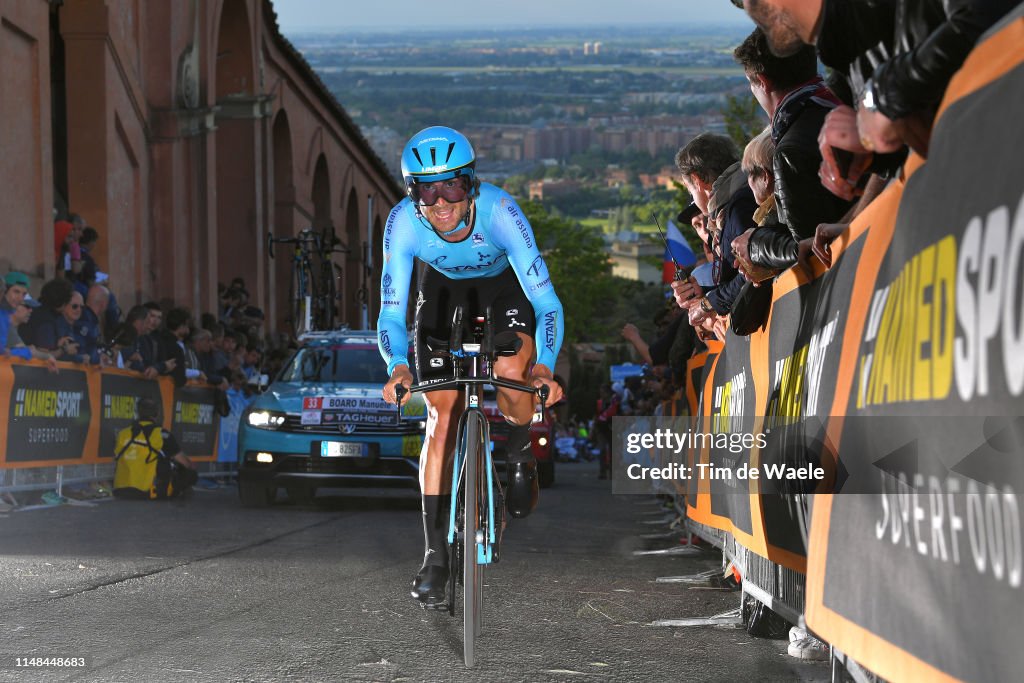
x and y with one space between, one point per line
265 419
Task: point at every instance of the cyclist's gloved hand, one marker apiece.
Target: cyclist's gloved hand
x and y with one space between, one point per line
401 375
542 375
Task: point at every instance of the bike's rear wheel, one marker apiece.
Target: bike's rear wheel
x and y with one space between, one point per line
474 529
300 301
313 301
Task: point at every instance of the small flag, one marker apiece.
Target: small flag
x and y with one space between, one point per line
676 248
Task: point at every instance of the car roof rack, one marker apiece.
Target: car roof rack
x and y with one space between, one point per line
324 336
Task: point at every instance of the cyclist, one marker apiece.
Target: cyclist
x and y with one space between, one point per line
480 251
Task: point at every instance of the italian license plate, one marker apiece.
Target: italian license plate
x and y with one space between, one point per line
343 449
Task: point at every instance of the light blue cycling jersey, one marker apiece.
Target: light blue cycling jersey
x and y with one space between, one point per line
501 236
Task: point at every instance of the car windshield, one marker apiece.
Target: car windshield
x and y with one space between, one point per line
345 363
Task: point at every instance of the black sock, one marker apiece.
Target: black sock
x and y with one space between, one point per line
519 447
435 530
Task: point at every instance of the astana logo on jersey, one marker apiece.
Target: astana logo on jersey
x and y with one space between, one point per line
465 267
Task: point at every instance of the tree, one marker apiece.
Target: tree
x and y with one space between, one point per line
579 266
744 119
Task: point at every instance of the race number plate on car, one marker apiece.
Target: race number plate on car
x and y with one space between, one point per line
343 449
318 410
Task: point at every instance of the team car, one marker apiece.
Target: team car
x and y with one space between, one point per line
322 423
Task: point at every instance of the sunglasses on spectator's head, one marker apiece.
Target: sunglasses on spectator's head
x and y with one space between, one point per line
453 190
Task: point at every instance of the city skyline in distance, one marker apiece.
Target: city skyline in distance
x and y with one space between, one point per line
304 16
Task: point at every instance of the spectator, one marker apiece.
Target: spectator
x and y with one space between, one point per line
149 460
8 320
73 255
153 349
87 328
237 358
202 348
223 346
17 289
607 408
727 186
251 366
132 355
120 347
87 277
50 326
112 318
899 57
898 99
757 163
631 396
231 305
85 346
66 248
172 341
697 221
842 32
674 345
220 359
192 369
15 346
797 101
238 399
706 161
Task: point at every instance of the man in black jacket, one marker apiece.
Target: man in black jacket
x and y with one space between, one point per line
898 79
796 100
153 358
172 346
709 165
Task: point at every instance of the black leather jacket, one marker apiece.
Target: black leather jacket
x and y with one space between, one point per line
849 29
852 31
802 201
931 38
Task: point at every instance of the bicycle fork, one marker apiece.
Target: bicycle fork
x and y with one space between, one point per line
483 542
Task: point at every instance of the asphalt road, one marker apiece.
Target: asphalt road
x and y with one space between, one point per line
203 590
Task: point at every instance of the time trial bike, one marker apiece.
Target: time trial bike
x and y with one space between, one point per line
477 516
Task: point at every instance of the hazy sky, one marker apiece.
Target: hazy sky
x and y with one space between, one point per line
398 15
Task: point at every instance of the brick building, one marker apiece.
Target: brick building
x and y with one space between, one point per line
184 132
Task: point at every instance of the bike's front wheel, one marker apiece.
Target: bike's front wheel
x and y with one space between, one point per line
329 295
474 529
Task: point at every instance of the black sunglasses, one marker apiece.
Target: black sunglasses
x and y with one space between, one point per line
453 190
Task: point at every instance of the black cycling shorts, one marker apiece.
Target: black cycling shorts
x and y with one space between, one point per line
435 304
